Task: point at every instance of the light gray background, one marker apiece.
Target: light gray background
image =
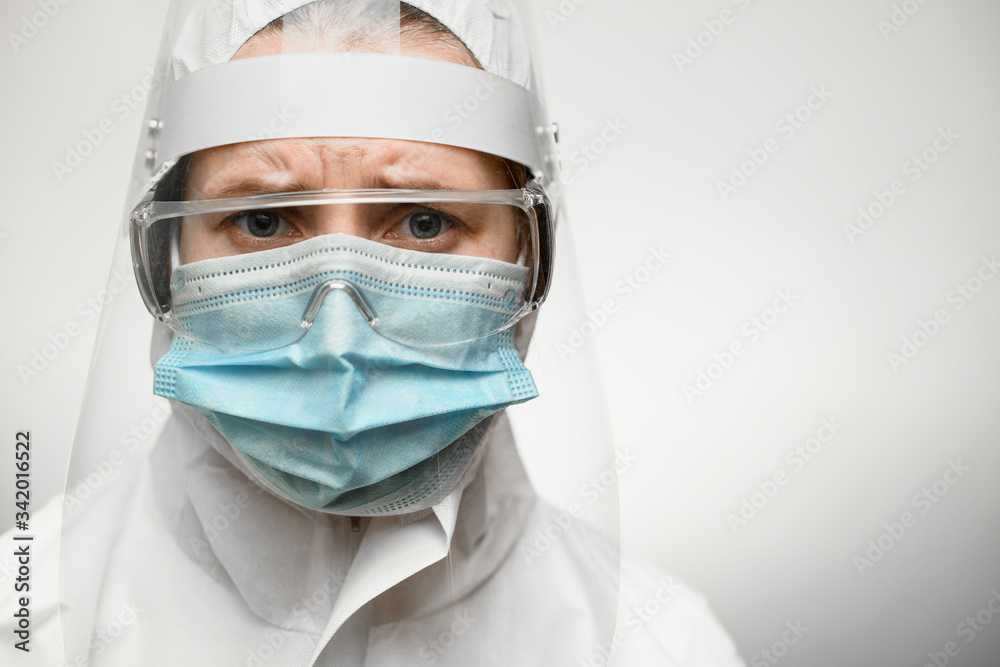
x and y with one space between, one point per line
655 185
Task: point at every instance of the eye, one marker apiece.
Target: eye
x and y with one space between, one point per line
425 224
262 223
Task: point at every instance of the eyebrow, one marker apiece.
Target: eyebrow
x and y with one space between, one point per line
282 178
414 182
252 186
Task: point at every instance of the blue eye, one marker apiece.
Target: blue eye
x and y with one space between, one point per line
426 224
261 223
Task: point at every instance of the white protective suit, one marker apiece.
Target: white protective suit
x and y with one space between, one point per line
172 552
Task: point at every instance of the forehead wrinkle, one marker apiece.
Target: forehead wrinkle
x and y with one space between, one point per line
433 167
254 168
286 165
414 166
403 169
359 163
268 153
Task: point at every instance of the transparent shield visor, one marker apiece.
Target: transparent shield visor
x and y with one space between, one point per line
153 503
422 267
434 71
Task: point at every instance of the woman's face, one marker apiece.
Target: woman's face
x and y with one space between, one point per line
343 163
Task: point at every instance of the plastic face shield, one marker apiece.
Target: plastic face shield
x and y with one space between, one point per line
459 167
230 83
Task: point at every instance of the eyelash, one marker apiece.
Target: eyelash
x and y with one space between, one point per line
292 217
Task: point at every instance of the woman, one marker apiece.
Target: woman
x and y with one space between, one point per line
342 221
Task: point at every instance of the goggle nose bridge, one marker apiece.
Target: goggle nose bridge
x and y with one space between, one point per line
337 284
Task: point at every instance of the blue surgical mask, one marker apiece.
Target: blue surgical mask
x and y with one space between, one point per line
345 419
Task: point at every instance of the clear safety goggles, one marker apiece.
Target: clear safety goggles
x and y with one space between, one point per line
445 247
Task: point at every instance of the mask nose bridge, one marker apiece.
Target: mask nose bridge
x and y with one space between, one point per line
327 287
